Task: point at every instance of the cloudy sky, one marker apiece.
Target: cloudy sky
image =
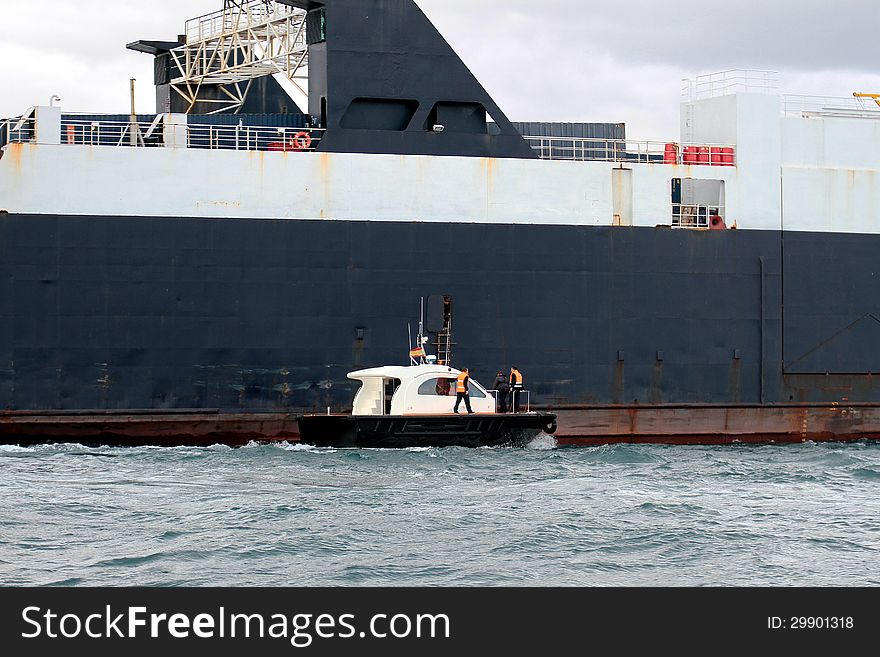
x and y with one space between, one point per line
560 60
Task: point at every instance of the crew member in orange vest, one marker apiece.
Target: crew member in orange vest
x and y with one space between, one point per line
462 391
516 387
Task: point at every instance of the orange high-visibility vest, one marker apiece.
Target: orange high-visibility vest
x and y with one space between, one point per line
461 379
517 378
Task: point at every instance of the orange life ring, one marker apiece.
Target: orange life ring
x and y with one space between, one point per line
301 141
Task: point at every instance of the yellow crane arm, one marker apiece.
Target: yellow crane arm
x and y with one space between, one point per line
874 97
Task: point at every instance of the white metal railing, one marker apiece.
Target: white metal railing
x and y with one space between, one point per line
587 149
522 394
233 18
253 138
800 105
111 133
726 83
686 215
19 130
518 401
89 132
77 132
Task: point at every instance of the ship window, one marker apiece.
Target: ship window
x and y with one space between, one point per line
698 203
379 114
476 393
458 117
445 387
440 387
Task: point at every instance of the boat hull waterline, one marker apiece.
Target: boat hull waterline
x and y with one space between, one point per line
476 430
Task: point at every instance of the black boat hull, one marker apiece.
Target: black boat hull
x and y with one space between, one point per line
367 432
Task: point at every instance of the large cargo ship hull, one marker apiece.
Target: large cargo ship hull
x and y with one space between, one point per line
129 314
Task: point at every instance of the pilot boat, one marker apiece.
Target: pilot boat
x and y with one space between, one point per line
412 406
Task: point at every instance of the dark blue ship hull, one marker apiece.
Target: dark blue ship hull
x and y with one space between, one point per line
117 313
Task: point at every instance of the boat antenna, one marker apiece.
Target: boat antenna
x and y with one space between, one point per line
422 340
421 319
417 354
412 360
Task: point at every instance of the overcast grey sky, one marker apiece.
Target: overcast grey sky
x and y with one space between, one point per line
560 60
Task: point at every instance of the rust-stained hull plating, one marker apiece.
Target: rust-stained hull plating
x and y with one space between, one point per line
598 425
139 428
718 425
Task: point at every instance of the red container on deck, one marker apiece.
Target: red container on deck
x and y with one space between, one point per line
716 156
690 154
276 146
670 154
703 155
727 156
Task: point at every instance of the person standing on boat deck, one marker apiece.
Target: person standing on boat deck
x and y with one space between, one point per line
516 386
463 391
503 388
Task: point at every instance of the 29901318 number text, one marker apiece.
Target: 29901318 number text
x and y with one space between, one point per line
811 623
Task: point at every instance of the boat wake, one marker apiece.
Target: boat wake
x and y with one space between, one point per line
543 443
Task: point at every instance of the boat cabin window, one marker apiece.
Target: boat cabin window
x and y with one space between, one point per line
439 387
445 387
476 393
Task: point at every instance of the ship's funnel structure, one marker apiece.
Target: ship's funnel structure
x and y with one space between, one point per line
381 78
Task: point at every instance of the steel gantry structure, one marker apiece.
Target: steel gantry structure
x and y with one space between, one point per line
230 48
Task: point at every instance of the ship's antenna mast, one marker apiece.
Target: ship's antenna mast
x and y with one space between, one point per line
417 354
422 328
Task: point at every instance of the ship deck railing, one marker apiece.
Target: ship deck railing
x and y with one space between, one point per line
21 129
801 106
525 401
163 132
157 134
591 149
730 82
235 18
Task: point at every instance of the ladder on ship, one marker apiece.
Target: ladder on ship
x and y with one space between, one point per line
444 344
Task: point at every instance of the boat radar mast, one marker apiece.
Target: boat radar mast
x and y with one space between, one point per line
418 355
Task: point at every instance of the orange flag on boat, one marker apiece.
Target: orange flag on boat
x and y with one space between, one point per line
418 352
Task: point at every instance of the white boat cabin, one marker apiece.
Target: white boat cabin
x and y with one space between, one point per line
416 390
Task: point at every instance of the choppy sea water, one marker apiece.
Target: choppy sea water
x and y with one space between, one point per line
296 516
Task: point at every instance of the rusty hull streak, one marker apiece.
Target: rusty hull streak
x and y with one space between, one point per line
130 429
718 425
15 154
